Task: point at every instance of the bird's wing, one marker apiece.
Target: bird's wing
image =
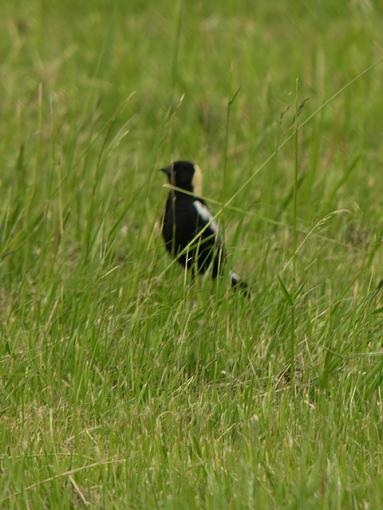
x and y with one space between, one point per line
211 238
206 219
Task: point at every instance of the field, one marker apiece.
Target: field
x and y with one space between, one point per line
123 384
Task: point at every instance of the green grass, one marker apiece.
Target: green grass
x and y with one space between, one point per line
122 384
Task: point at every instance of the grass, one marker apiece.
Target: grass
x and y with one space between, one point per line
123 385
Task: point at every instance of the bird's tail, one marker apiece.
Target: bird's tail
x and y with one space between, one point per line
238 284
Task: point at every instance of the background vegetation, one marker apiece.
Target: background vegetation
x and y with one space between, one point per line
123 385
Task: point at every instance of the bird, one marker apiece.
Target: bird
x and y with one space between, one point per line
189 230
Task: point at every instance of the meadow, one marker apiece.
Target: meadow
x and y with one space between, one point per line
123 384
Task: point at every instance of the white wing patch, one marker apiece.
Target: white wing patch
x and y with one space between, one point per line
206 215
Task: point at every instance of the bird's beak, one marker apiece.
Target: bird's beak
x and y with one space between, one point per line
167 170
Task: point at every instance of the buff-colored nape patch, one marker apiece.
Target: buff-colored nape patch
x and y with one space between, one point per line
197 181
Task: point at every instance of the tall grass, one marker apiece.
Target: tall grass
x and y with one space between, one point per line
123 385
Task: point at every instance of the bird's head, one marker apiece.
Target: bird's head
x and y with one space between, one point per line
185 175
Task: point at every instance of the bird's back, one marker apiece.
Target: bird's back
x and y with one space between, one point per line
188 233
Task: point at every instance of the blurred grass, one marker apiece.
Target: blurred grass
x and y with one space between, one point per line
122 387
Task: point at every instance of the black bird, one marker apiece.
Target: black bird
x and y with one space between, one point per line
189 230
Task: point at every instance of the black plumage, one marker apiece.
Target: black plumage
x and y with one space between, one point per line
189 230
